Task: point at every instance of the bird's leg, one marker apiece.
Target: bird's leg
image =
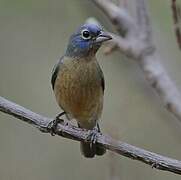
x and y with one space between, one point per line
100 150
53 124
61 114
98 128
92 135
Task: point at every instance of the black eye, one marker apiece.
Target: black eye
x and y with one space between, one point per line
85 34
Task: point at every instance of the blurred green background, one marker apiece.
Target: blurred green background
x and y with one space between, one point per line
33 35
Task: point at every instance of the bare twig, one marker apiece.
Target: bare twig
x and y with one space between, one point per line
138 45
123 3
143 21
176 18
155 160
121 20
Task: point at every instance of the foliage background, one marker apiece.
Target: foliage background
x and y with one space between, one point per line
33 35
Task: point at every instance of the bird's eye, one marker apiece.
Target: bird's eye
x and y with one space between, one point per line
85 34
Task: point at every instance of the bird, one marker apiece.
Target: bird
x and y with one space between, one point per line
78 83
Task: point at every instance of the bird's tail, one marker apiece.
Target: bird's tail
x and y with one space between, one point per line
89 150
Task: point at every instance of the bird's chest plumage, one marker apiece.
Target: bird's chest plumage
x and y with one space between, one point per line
79 91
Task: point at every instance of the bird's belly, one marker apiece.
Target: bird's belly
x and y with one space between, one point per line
78 91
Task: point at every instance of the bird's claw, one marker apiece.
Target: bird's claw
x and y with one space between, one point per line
92 136
52 126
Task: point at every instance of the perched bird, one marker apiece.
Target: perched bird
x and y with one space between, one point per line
78 82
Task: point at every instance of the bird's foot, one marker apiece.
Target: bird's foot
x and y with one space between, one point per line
52 126
92 136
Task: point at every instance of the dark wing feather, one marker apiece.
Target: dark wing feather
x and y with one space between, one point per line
102 77
103 83
55 72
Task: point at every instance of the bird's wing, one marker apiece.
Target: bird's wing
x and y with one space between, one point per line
55 71
102 77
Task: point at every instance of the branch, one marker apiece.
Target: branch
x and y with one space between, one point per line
120 19
143 21
176 18
138 45
155 160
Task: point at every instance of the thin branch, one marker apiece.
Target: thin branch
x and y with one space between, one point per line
123 3
140 48
123 23
155 160
143 21
161 82
176 18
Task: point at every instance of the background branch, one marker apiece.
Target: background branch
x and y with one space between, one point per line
155 160
137 44
123 23
176 19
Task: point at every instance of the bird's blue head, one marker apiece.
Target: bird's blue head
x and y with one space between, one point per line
86 41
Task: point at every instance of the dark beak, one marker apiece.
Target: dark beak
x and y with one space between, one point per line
102 37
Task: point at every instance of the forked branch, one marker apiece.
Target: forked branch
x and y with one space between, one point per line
137 44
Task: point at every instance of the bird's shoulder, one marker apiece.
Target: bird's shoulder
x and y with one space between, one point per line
55 71
102 77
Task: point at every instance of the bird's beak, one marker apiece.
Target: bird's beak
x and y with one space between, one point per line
102 37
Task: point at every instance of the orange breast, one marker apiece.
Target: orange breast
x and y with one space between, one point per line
79 92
